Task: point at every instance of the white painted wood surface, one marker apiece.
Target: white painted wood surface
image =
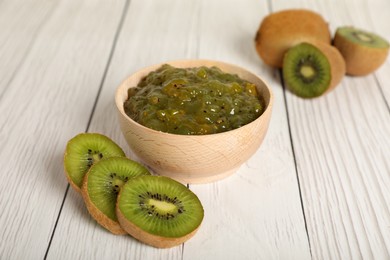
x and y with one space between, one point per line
47 98
342 148
319 186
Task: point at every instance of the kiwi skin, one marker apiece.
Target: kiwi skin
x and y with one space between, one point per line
150 239
360 60
281 30
146 237
336 61
102 219
73 184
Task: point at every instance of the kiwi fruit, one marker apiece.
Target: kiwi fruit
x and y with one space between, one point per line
82 151
363 51
312 69
282 30
158 211
101 186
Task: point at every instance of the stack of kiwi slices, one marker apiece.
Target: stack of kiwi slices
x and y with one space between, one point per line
123 196
299 42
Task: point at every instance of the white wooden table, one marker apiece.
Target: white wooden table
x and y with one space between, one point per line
318 188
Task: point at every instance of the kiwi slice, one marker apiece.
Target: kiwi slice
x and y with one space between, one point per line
101 186
363 51
82 151
312 69
281 30
159 211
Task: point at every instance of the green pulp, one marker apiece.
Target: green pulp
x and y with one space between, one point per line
193 101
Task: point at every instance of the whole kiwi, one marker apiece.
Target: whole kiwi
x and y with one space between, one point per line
281 30
364 52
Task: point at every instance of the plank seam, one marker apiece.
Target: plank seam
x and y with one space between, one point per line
367 193
270 7
295 160
26 53
381 91
117 33
123 16
58 218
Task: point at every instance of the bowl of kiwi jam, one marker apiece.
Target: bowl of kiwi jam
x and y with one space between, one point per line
195 121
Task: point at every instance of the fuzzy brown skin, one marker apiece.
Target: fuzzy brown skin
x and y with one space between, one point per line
150 239
102 219
281 30
336 60
360 60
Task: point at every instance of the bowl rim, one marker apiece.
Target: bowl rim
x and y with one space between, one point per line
120 108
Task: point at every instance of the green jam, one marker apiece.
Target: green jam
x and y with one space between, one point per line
193 101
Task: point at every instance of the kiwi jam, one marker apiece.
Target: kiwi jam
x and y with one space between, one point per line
193 101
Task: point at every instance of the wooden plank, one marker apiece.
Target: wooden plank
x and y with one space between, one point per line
342 147
48 99
377 18
256 213
21 22
151 33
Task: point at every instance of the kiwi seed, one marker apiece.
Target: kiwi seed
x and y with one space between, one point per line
363 51
158 211
82 151
101 186
281 30
312 69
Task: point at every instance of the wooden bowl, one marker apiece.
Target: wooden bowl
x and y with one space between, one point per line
194 158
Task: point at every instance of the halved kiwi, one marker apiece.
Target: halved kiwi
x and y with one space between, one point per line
158 211
281 30
363 51
312 69
82 151
101 186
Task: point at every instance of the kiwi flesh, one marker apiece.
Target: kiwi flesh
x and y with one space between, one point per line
158 211
82 151
311 69
282 30
101 186
364 52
